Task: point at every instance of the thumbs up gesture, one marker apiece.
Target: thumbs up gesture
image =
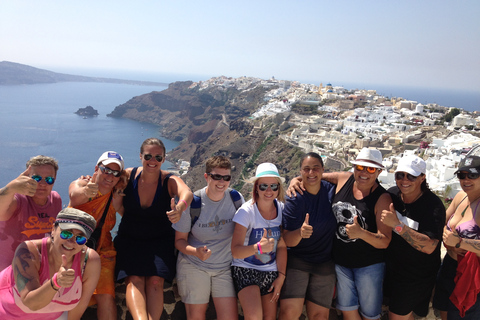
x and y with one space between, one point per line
389 217
91 188
354 230
203 253
266 243
306 230
175 214
65 276
24 184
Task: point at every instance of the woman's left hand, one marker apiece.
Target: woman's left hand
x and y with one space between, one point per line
277 287
175 214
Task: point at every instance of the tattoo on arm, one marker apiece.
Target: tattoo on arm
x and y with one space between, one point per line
3 191
415 239
474 243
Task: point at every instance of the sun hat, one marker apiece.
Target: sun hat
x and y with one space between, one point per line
265 170
109 157
71 218
412 164
470 164
369 158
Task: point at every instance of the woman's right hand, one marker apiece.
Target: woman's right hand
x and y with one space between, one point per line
267 244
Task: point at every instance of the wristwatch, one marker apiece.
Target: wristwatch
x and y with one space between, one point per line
459 243
399 227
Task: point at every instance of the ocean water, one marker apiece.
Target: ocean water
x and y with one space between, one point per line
40 119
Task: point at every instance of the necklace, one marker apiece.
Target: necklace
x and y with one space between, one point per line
419 195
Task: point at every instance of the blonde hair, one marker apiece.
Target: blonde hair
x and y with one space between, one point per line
42 161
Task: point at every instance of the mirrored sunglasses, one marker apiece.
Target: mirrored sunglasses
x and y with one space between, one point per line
469 175
220 177
48 180
106 170
65 235
147 157
264 186
369 169
401 175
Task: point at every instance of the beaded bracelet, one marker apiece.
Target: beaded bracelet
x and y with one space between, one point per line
54 278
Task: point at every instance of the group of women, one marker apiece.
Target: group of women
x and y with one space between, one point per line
337 228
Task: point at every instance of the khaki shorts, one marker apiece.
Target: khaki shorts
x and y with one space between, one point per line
195 285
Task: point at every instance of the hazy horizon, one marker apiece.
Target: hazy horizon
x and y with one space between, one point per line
431 44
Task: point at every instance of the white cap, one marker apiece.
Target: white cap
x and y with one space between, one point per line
265 170
369 158
111 157
412 164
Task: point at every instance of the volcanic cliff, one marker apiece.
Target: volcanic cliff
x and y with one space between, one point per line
214 121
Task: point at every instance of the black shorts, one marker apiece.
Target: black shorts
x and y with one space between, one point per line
245 277
312 282
407 296
445 283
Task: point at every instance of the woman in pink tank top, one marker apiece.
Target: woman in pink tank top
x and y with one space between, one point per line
51 275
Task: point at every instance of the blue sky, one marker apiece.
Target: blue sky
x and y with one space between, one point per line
415 43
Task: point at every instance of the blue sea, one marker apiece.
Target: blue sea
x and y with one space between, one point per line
40 119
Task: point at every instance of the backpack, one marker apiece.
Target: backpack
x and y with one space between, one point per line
196 205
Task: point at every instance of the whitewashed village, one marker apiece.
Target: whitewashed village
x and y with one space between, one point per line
345 121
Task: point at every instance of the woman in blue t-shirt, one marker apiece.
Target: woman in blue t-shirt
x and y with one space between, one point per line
309 228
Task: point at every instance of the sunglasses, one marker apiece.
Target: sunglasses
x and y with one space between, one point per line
369 169
106 170
65 235
401 175
147 157
220 177
469 175
264 186
48 180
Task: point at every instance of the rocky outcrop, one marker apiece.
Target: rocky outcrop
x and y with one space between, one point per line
88 111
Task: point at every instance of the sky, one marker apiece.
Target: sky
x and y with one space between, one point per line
434 44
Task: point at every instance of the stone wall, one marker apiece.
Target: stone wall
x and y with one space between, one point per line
174 309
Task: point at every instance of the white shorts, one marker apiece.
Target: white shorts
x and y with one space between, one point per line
195 285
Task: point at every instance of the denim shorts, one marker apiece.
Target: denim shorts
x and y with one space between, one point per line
361 288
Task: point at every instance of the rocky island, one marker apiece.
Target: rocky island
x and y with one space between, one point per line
88 111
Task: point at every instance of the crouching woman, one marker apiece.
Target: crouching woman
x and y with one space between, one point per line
53 277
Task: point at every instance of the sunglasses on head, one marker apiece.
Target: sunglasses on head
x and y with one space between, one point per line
106 170
48 180
264 186
220 177
65 235
469 175
369 169
147 157
401 175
